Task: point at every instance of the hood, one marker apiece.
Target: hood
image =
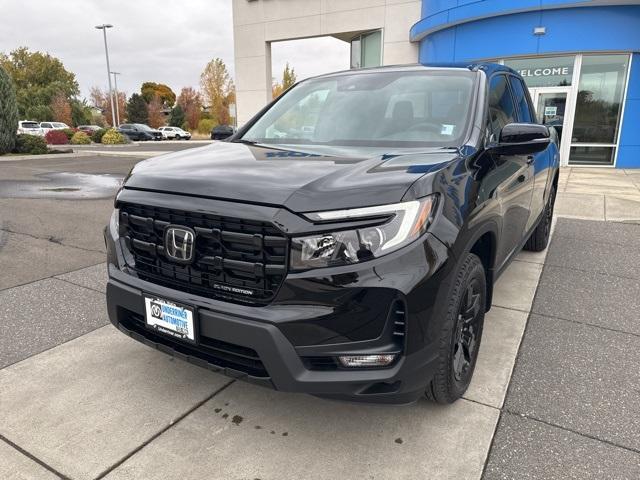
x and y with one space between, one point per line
301 178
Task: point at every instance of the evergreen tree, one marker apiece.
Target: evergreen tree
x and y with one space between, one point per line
177 117
8 113
137 111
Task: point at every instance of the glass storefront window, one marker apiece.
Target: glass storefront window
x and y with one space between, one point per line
598 106
544 72
366 50
592 155
371 49
598 109
356 53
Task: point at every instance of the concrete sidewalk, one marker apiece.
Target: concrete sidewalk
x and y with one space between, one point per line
572 407
599 194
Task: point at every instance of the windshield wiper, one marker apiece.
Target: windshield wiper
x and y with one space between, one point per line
244 141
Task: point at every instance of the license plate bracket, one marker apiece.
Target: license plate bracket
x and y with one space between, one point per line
170 318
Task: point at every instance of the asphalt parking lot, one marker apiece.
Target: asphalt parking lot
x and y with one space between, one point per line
80 400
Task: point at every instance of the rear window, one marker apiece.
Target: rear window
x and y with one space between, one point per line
30 125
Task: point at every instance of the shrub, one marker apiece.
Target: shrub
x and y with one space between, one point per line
206 124
30 145
8 113
56 137
69 132
80 138
113 137
97 135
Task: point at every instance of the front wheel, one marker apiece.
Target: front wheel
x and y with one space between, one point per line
461 334
539 238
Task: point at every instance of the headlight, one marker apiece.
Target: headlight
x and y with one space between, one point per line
114 224
405 222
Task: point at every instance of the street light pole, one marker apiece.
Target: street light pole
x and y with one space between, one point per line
115 84
104 27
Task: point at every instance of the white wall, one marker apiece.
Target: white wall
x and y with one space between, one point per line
258 23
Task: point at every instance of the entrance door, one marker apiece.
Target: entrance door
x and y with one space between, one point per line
552 109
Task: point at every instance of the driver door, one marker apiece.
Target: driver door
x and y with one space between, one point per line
515 172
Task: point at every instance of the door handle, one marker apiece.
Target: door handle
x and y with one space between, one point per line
530 159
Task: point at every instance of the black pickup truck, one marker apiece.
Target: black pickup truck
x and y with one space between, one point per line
343 243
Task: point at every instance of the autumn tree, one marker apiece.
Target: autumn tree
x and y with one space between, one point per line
288 79
191 103
38 78
137 109
149 90
156 117
61 109
218 89
100 99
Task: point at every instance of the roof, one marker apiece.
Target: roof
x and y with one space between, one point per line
487 67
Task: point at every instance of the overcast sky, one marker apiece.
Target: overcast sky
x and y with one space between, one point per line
152 40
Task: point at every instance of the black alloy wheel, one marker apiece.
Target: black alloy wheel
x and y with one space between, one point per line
460 334
467 329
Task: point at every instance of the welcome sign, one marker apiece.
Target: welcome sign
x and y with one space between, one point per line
544 71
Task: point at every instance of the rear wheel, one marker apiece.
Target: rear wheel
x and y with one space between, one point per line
461 334
539 239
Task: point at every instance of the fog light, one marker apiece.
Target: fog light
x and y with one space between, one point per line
352 361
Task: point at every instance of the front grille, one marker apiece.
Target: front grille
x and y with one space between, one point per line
216 352
399 317
235 259
321 363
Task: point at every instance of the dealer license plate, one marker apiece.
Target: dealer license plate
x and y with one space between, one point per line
170 318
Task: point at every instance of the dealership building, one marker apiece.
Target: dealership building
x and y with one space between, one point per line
580 58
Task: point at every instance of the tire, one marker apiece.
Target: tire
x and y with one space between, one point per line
539 238
461 334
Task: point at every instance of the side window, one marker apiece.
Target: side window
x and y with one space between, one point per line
519 93
501 107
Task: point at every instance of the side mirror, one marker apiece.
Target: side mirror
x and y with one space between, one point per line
522 139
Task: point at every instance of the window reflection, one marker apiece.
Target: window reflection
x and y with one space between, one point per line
592 155
602 81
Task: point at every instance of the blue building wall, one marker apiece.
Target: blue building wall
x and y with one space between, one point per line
465 30
629 153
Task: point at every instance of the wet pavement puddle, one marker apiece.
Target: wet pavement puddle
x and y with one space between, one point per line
63 185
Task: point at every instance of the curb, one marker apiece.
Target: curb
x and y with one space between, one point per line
45 156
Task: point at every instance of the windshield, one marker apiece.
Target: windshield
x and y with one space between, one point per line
141 126
390 109
60 125
30 125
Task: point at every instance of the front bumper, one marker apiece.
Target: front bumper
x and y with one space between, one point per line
224 339
315 316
